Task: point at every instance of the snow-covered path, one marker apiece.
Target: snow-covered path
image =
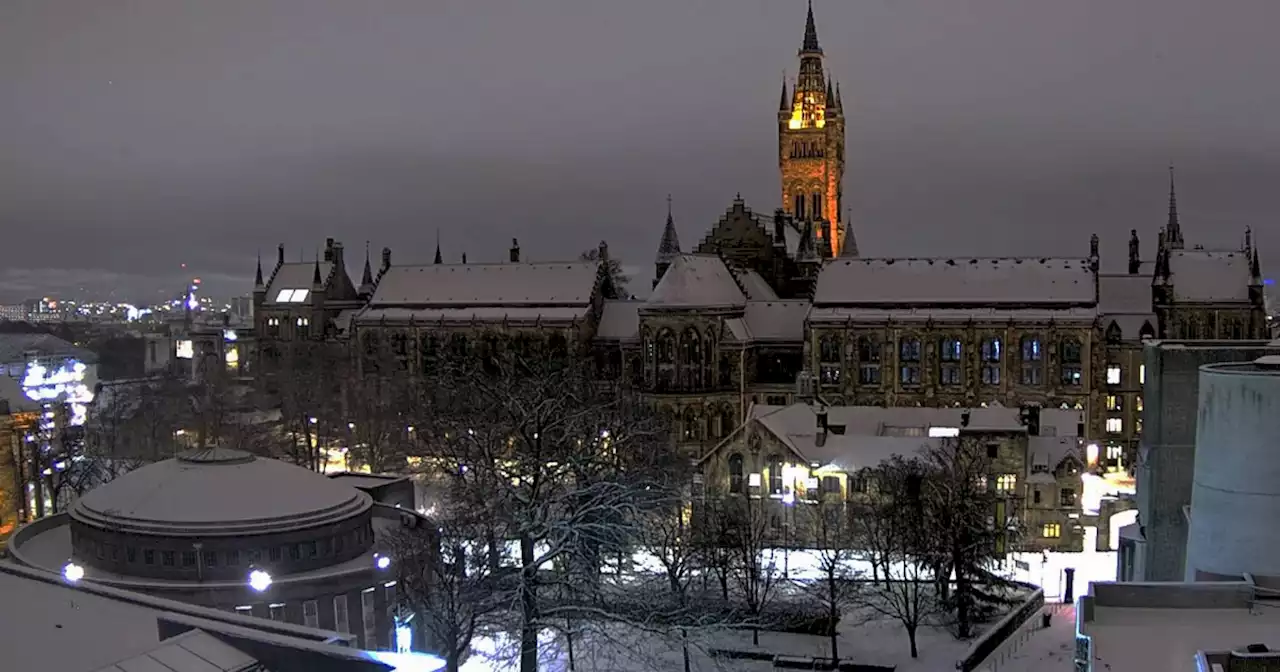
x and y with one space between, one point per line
1035 648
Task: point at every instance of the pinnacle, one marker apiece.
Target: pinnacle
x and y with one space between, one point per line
810 33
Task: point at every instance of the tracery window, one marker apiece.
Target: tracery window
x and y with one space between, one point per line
691 359
1032 360
666 358
909 358
736 482
829 347
647 355
950 362
1069 355
693 430
775 475
868 360
992 354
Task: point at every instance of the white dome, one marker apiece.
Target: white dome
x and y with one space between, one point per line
218 492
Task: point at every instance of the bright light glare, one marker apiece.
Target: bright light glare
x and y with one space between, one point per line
259 580
381 561
72 572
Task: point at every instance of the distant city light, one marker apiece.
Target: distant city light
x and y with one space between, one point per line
259 580
72 572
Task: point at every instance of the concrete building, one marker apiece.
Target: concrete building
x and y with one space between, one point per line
1235 496
1154 548
194 528
1141 627
83 626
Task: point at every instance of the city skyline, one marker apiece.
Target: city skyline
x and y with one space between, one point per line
146 135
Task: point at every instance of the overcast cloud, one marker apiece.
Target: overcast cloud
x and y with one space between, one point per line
142 134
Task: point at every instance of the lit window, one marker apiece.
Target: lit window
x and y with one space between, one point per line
292 295
186 350
1051 531
1114 402
1137 403
1142 374
1114 451
1115 425
1113 374
1006 483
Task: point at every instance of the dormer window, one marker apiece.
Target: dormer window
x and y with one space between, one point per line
292 295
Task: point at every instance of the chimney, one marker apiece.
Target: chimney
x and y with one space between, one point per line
386 258
328 249
821 415
1135 253
965 417
280 254
515 251
335 254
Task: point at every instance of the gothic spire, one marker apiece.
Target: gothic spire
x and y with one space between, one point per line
257 277
1255 268
315 276
366 279
831 94
849 248
439 258
784 104
810 33
1173 227
839 100
669 246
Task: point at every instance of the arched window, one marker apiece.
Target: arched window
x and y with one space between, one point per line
708 360
992 354
1032 360
799 206
736 482
817 205
666 358
1072 367
868 360
693 430
909 357
829 359
775 475
1113 333
691 358
950 362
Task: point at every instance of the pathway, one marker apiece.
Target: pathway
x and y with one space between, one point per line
1035 648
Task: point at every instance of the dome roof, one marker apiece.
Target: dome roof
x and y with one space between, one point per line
218 492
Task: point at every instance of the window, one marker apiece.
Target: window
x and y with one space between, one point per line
1035 496
310 550
1137 404
992 352
292 295
295 551
691 359
692 425
666 356
310 614
210 558
775 475
775 400
735 474
149 557
233 558
1142 374
909 356
1006 483
1115 402
1032 361
188 558
1051 531
830 485
1066 497
993 450
1069 352
275 554
829 359
273 326
130 554
868 361
1115 425
949 368
1114 451
340 621
167 558
1113 374
276 611
368 619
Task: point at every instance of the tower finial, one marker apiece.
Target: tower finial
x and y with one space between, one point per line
810 33
257 277
784 104
366 279
315 276
439 258
1173 227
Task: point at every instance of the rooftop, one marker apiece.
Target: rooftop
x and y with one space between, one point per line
697 281
475 285
293 276
957 282
15 348
1209 276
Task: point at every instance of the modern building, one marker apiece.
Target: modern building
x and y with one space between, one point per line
224 529
1155 547
1223 626
82 626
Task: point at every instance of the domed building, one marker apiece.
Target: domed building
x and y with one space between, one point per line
196 527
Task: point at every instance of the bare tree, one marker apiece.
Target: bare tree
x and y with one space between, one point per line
308 386
614 268
831 529
756 573
562 465
713 541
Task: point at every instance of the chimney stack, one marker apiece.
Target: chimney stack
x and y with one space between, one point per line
386 258
821 415
280 254
515 251
328 249
336 256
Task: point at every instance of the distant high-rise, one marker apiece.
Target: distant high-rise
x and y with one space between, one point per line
811 144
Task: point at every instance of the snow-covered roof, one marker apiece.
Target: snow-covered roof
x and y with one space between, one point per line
697 281
776 320
756 287
294 276
467 315
619 321
192 651
1209 276
1126 300
218 492
1022 315
535 284
958 282
14 348
1050 451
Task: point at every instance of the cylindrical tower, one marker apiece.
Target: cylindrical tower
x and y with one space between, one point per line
1235 498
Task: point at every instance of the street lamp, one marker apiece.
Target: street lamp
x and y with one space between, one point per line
72 572
381 561
259 580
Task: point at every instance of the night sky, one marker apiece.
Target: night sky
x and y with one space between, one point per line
138 135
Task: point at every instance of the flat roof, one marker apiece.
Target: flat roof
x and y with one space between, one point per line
1135 639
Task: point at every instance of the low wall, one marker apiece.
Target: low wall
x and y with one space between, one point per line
1201 595
990 640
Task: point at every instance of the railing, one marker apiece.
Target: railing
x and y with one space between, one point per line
1005 637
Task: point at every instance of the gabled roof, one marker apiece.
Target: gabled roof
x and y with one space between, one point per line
755 286
1209 276
14 348
296 275
776 320
956 282
1050 451
478 285
1126 300
697 281
619 321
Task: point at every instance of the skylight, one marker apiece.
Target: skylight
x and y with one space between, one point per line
292 295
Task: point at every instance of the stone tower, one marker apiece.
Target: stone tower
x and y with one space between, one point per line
811 144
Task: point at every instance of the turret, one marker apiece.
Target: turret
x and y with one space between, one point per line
668 247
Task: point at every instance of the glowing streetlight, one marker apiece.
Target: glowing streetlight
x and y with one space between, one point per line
259 580
381 561
72 572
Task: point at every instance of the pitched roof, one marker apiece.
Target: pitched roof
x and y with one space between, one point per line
1209 276
755 286
620 320
957 282
697 281
475 285
1042 314
467 315
1126 300
14 348
776 320
296 275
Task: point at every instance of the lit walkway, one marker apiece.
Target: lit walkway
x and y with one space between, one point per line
1033 648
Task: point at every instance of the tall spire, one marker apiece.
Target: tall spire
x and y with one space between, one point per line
366 279
784 104
1173 228
315 276
439 258
257 277
849 247
669 246
810 33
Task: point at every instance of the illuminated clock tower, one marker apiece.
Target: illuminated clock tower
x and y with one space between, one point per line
811 146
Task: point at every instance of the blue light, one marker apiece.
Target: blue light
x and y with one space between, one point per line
1269 281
